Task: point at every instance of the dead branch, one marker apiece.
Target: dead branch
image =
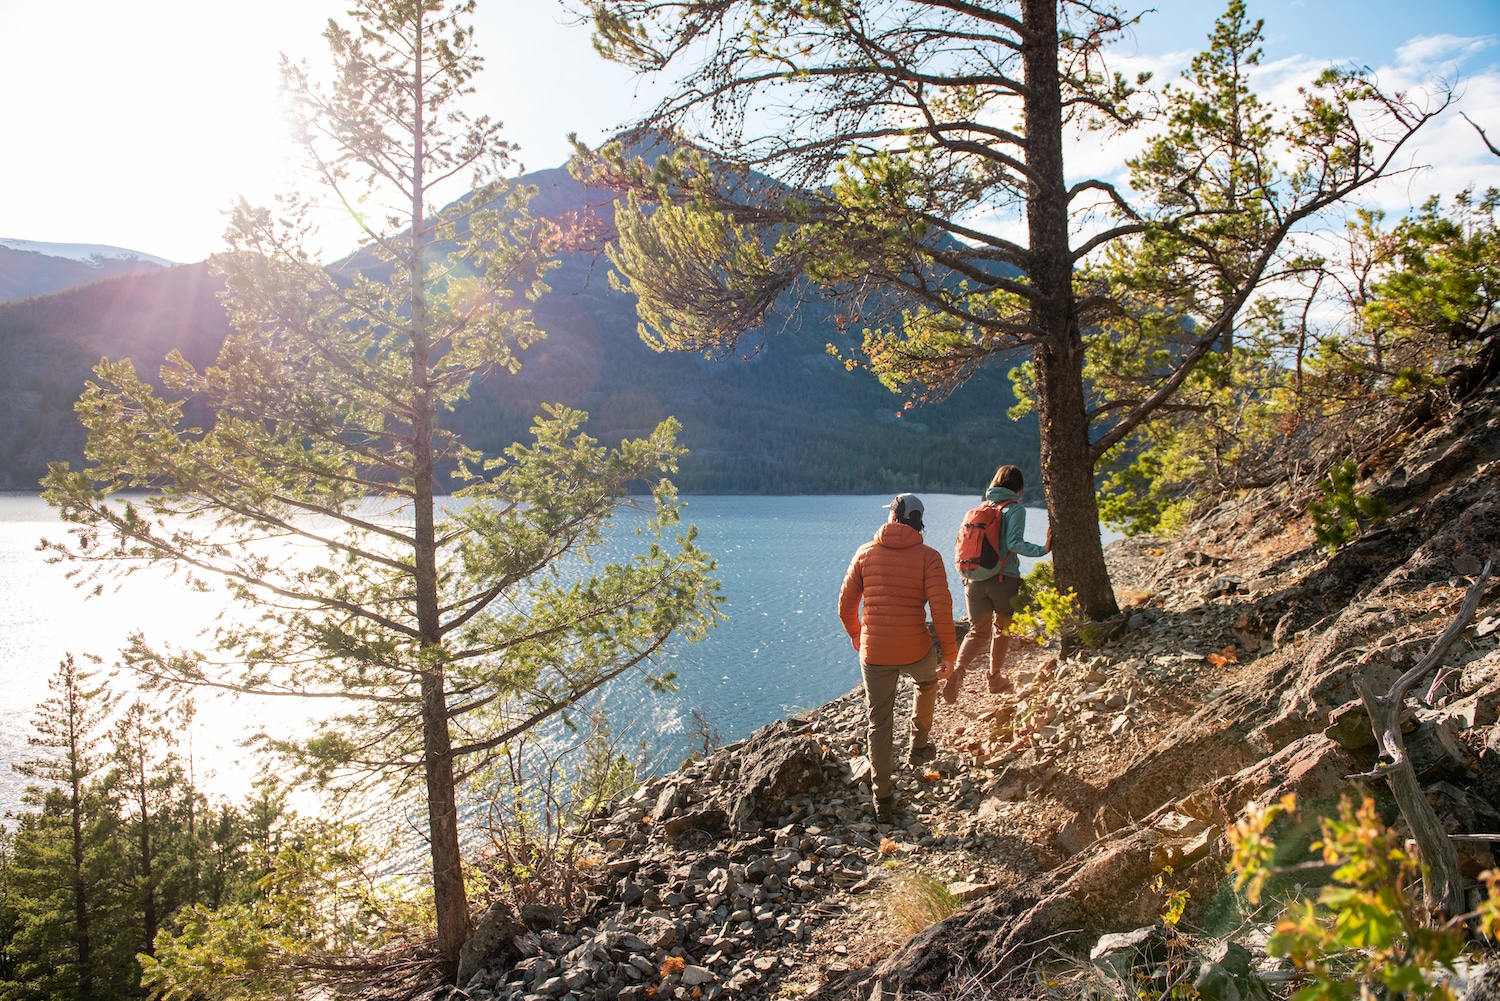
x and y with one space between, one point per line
1442 883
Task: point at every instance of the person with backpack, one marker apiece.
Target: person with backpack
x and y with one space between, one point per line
897 579
988 545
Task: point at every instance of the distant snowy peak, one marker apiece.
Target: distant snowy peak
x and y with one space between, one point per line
92 254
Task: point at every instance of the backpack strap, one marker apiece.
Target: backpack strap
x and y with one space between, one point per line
1000 546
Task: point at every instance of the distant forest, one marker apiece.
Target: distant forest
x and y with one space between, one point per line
786 419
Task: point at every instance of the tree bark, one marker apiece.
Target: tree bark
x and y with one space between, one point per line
150 922
81 941
449 898
1067 468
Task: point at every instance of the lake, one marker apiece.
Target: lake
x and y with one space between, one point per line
782 649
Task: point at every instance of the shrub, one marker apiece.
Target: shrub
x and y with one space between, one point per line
544 794
1043 612
919 901
1340 516
1364 934
321 901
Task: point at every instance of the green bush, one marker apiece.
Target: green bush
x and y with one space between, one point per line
1364 935
1340 516
1042 612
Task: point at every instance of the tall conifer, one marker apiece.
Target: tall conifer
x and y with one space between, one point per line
442 627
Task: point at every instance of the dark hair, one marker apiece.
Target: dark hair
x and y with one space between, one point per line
900 514
1008 477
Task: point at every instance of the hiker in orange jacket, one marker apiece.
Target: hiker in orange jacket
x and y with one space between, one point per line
898 578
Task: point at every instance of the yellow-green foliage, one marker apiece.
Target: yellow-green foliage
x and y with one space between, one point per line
1365 934
318 902
1042 612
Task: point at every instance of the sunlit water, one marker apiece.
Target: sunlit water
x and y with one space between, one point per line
781 560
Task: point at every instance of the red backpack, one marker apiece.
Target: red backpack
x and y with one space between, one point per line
980 545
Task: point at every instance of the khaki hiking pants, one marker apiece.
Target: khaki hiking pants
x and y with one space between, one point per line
880 692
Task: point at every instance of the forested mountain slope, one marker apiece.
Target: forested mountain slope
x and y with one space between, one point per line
787 419
27 269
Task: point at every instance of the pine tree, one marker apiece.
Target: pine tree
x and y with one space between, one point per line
890 133
444 627
64 858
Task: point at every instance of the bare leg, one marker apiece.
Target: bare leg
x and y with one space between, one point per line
999 647
975 641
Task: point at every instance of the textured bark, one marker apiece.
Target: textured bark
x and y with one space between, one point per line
449 899
1067 467
81 935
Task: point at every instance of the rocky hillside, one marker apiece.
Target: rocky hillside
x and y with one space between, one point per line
1061 815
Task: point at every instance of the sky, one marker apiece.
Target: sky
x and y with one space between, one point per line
138 124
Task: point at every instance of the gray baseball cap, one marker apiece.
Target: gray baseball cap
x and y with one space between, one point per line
907 509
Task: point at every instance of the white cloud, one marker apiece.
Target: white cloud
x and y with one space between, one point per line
1445 157
1428 51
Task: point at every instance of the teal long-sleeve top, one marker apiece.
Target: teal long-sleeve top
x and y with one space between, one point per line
1013 525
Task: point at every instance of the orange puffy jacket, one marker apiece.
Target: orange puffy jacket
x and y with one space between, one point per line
898 578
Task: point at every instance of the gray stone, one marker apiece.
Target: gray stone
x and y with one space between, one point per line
492 940
540 916
1233 957
1215 983
632 943
1119 951
696 976
778 763
706 818
554 987
660 933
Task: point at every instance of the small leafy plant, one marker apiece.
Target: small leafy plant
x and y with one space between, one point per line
1340 516
1365 934
1042 611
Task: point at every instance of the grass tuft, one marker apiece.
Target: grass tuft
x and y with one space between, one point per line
918 901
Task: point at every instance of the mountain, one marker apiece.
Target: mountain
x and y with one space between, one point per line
28 267
49 344
787 419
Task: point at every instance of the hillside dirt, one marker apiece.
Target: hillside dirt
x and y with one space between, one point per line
1071 808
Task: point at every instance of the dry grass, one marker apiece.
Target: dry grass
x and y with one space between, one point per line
917 901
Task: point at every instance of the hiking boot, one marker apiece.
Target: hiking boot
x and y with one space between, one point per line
922 755
1000 684
885 809
953 686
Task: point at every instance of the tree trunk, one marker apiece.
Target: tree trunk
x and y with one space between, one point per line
453 928
81 941
450 901
1067 469
150 923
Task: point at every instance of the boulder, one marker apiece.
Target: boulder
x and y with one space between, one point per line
493 940
778 762
1314 768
